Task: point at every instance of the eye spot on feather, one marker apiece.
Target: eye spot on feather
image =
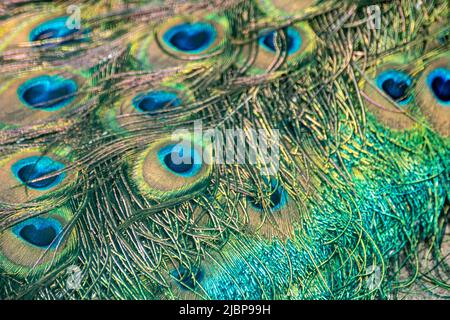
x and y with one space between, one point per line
180 160
40 232
169 169
180 40
186 278
439 83
297 43
155 100
390 97
190 37
433 92
270 212
54 29
443 39
396 85
293 41
32 172
47 93
278 197
33 245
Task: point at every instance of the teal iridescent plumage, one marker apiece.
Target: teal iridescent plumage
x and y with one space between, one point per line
92 176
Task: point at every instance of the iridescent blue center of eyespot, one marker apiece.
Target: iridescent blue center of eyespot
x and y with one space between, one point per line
396 84
293 41
187 279
47 93
191 37
443 37
181 159
53 29
38 173
39 232
439 83
278 196
155 100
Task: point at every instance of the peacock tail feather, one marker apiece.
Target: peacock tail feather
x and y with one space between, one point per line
103 172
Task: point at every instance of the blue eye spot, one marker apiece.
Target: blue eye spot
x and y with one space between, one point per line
29 171
293 41
185 278
48 93
155 100
278 196
191 37
180 159
395 84
40 232
439 82
53 29
443 38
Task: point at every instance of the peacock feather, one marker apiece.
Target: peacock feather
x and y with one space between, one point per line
131 136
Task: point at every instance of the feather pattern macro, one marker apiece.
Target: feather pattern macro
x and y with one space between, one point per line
92 94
